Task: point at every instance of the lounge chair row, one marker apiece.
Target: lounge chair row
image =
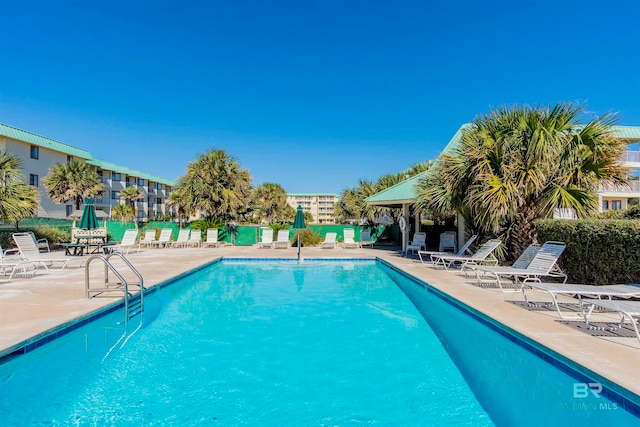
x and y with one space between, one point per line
330 240
533 270
186 238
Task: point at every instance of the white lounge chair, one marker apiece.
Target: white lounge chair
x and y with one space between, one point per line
425 256
11 263
283 240
543 264
181 241
580 291
484 255
29 251
149 238
212 238
128 241
365 238
523 260
627 309
164 239
330 240
349 238
266 240
195 239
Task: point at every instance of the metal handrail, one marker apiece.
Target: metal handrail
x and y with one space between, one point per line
122 281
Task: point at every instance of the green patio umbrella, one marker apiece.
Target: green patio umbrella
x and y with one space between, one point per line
89 220
298 224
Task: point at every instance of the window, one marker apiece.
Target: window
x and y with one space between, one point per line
115 195
130 181
68 209
159 186
616 205
141 182
115 176
69 159
605 205
35 152
33 180
159 200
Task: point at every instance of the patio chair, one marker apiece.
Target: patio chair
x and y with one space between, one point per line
149 238
266 240
330 240
282 240
365 238
627 309
128 242
29 251
425 256
212 238
195 239
164 240
419 242
448 241
543 264
484 255
181 241
349 238
580 291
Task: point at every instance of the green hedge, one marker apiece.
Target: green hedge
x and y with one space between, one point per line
599 252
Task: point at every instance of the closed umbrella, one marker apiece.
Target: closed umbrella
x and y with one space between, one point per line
298 224
89 220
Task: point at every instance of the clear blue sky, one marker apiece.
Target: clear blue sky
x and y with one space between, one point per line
312 95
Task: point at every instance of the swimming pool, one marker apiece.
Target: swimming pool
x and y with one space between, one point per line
273 343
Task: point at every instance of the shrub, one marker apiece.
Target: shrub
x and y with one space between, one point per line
53 234
307 238
598 251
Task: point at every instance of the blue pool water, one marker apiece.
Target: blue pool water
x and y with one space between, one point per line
274 344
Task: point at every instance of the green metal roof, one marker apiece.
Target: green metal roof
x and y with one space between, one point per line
41 141
128 171
403 192
627 132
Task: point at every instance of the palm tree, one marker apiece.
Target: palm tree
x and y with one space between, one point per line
17 199
74 181
181 201
217 186
270 200
121 212
131 195
515 165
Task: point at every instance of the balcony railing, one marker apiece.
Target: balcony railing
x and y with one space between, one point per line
634 187
632 156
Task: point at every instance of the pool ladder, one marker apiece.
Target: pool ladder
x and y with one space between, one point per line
133 301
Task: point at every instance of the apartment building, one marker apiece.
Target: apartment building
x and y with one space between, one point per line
612 197
321 206
39 154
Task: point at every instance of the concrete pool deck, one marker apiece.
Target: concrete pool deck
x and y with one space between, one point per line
31 307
